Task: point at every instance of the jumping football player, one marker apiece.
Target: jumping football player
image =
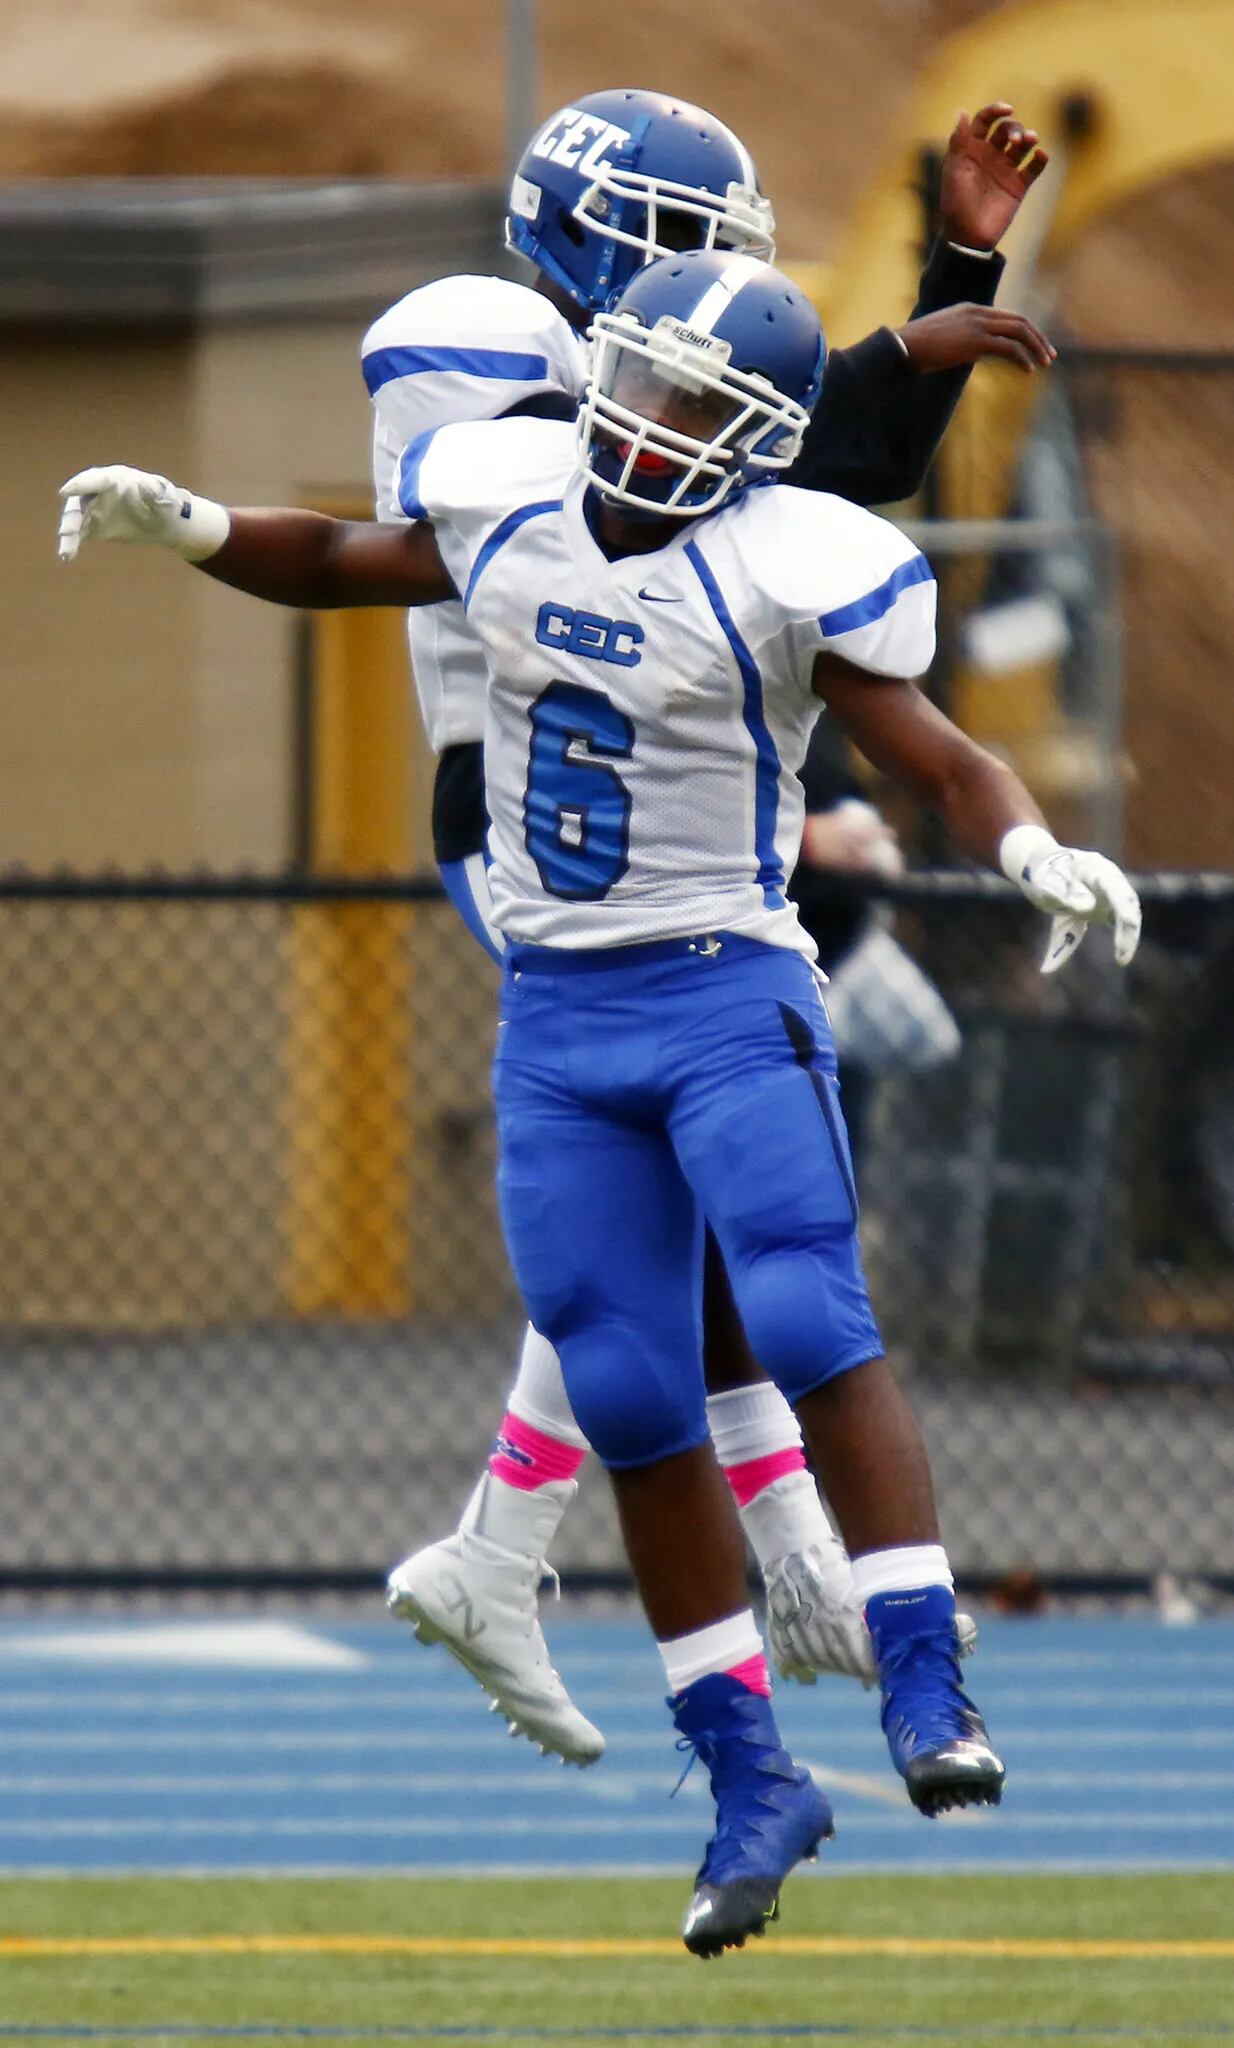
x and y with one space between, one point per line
603 188
661 634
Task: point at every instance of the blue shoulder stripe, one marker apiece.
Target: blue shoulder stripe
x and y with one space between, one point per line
876 603
500 535
385 364
409 474
766 759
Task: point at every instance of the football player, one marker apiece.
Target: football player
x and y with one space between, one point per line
605 186
602 189
663 622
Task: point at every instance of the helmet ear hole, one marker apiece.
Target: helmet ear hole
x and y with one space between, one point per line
680 231
571 229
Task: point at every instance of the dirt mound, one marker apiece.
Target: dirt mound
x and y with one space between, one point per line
287 87
312 119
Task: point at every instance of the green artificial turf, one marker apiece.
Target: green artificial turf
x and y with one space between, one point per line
865 1999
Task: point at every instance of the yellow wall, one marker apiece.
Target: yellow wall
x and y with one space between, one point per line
1160 81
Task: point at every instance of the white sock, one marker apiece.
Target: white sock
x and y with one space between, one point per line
751 1422
905 1570
723 1646
538 1395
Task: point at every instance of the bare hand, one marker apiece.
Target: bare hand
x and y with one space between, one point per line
852 839
959 335
992 161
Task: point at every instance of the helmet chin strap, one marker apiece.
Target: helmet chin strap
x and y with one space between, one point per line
632 513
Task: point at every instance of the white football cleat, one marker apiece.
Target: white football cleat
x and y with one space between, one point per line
478 1595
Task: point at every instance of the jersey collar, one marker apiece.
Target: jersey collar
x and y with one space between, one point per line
580 514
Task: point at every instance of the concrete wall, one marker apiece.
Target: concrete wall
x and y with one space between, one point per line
145 713
100 668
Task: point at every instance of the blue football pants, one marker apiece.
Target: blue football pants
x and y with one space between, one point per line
641 1092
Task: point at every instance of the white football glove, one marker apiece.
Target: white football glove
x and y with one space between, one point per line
815 1622
1078 888
119 503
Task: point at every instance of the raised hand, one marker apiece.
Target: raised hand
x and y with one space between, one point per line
992 162
958 335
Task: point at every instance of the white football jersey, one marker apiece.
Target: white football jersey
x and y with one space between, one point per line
463 348
647 717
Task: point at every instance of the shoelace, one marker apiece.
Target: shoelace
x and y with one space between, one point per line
548 1577
726 1824
690 1744
527 1600
683 1743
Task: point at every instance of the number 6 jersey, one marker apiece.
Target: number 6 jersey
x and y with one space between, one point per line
647 716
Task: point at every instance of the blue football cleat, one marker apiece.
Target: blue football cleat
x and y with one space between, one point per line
937 1738
769 1812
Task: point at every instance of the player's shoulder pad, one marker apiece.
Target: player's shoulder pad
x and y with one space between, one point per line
815 554
478 470
861 584
483 326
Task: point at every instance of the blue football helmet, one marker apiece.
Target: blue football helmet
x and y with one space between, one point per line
703 377
623 177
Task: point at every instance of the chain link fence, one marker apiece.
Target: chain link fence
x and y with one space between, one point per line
255 1318
1131 441
1151 430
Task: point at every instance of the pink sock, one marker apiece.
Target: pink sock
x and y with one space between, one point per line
526 1458
753 1475
753 1674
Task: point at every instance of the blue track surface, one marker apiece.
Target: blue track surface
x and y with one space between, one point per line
130 1746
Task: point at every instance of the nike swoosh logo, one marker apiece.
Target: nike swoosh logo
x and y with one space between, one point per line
651 598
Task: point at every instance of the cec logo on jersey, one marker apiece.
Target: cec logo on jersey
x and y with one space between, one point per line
588 634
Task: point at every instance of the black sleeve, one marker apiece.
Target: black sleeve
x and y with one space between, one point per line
832 910
878 424
460 816
543 405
